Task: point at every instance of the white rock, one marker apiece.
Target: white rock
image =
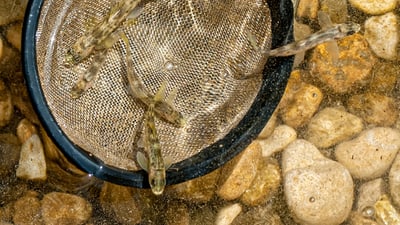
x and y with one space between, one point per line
32 163
394 180
227 214
317 190
331 126
279 139
374 7
370 154
382 35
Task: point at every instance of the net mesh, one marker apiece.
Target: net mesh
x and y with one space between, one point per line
203 41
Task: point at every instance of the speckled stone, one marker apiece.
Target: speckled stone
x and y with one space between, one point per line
238 174
27 210
65 209
350 71
368 193
369 155
374 7
330 126
317 190
382 34
385 77
374 108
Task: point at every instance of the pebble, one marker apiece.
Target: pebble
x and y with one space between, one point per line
376 109
9 152
6 105
13 35
238 174
279 139
199 190
302 107
394 180
227 214
265 184
307 9
331 126
352 70
368 194
317 189
65 209
371 153
385 212
374 7
119 202
32 162
382 34
27 210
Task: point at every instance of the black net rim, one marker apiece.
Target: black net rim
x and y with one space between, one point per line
275 76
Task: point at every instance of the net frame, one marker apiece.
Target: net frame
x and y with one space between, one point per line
275 76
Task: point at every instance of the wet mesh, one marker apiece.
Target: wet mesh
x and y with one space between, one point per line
204 40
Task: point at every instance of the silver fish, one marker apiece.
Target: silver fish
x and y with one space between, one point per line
335 32
162 108
95 37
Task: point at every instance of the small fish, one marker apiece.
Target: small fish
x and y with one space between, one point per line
94 38
155 165
335 32
162 108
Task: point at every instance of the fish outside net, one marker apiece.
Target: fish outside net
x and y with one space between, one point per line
200 47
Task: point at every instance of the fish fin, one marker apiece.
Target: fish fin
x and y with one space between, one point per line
142 161
333 50
159 96
167 162
324 20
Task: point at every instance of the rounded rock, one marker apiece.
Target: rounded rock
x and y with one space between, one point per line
65 209
227 214
318 191
374 7
331 126
371 153
27 210
279 139
382 34
394 180
32 162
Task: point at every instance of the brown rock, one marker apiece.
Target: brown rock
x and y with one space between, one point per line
237 175
27 210
307 9
14 33
6 106
351 71
374 108
12 11
25 130
65 209
177 214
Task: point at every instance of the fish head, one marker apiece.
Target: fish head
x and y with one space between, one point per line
157 181
349 28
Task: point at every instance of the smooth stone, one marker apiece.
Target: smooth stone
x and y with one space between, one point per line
352 70
238 174
394 180
119 202
6 105
227 214
65 209
9 152
27 210
32 162
307 9
374 7
265 184
13 35
303 106
369 155
382 34
368 194
199 190
331 126
177 214
281 137
317 190
376 109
